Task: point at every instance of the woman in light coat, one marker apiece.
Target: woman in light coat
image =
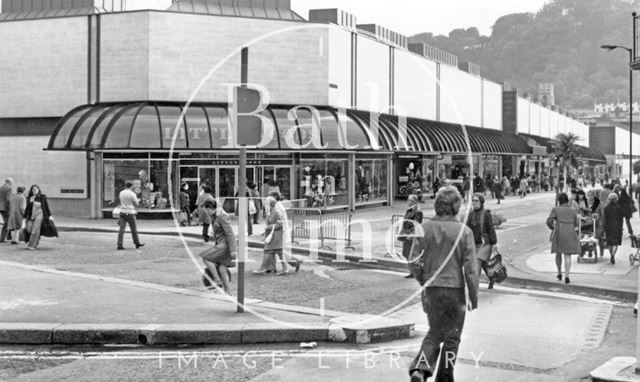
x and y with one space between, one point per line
16 214
564 220
203 216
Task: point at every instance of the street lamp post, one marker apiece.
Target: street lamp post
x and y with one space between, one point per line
612 47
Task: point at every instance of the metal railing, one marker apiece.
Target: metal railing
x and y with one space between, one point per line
319 224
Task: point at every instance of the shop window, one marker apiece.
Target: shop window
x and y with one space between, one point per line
148 177
324 183
371 180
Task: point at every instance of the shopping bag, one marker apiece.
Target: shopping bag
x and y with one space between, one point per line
252 208
269 237
496 268
48 228
182 217
116 213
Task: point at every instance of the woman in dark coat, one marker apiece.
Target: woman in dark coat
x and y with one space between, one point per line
220 258
484 234
36 213
612 223
564 220
626 204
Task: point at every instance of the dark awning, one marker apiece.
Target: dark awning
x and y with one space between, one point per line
205 126
152 125
427 136
582 151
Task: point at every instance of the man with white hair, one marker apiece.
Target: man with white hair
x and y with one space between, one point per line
6 191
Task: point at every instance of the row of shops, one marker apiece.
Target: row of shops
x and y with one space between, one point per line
324 157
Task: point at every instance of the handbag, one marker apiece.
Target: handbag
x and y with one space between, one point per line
48 228
496 268
252 208
116 213
269 237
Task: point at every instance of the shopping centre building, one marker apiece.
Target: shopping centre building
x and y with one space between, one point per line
96 94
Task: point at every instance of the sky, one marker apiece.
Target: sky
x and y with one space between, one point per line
410 17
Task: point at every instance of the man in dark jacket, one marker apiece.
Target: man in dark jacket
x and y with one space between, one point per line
412 218
478 184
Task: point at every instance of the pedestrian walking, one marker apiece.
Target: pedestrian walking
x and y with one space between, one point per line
16 215
412 218
488 184
203 217
185 204
484 234
613 219
506 185
249 209
275 228
497 189
466 187
257 202
478 183
524 186
128 203
6 191
219 258
628 208
564 220
443 299
36 213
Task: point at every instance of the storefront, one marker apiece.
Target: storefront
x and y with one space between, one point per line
321 160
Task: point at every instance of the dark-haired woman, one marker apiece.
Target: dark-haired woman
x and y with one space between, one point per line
484 234
564 220
626 204
203 216
37 211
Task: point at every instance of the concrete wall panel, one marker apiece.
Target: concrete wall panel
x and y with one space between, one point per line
460 97
415 85
43 67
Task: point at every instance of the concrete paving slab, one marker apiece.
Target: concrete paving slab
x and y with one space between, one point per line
545 262
538 332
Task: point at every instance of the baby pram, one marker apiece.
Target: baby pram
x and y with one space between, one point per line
588 240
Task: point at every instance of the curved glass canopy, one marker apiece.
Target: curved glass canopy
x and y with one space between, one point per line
149 125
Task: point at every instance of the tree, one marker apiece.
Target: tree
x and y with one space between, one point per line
565 153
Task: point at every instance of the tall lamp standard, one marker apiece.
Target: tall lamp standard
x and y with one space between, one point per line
612 47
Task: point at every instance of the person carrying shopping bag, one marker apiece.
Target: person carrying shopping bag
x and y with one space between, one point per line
484 234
